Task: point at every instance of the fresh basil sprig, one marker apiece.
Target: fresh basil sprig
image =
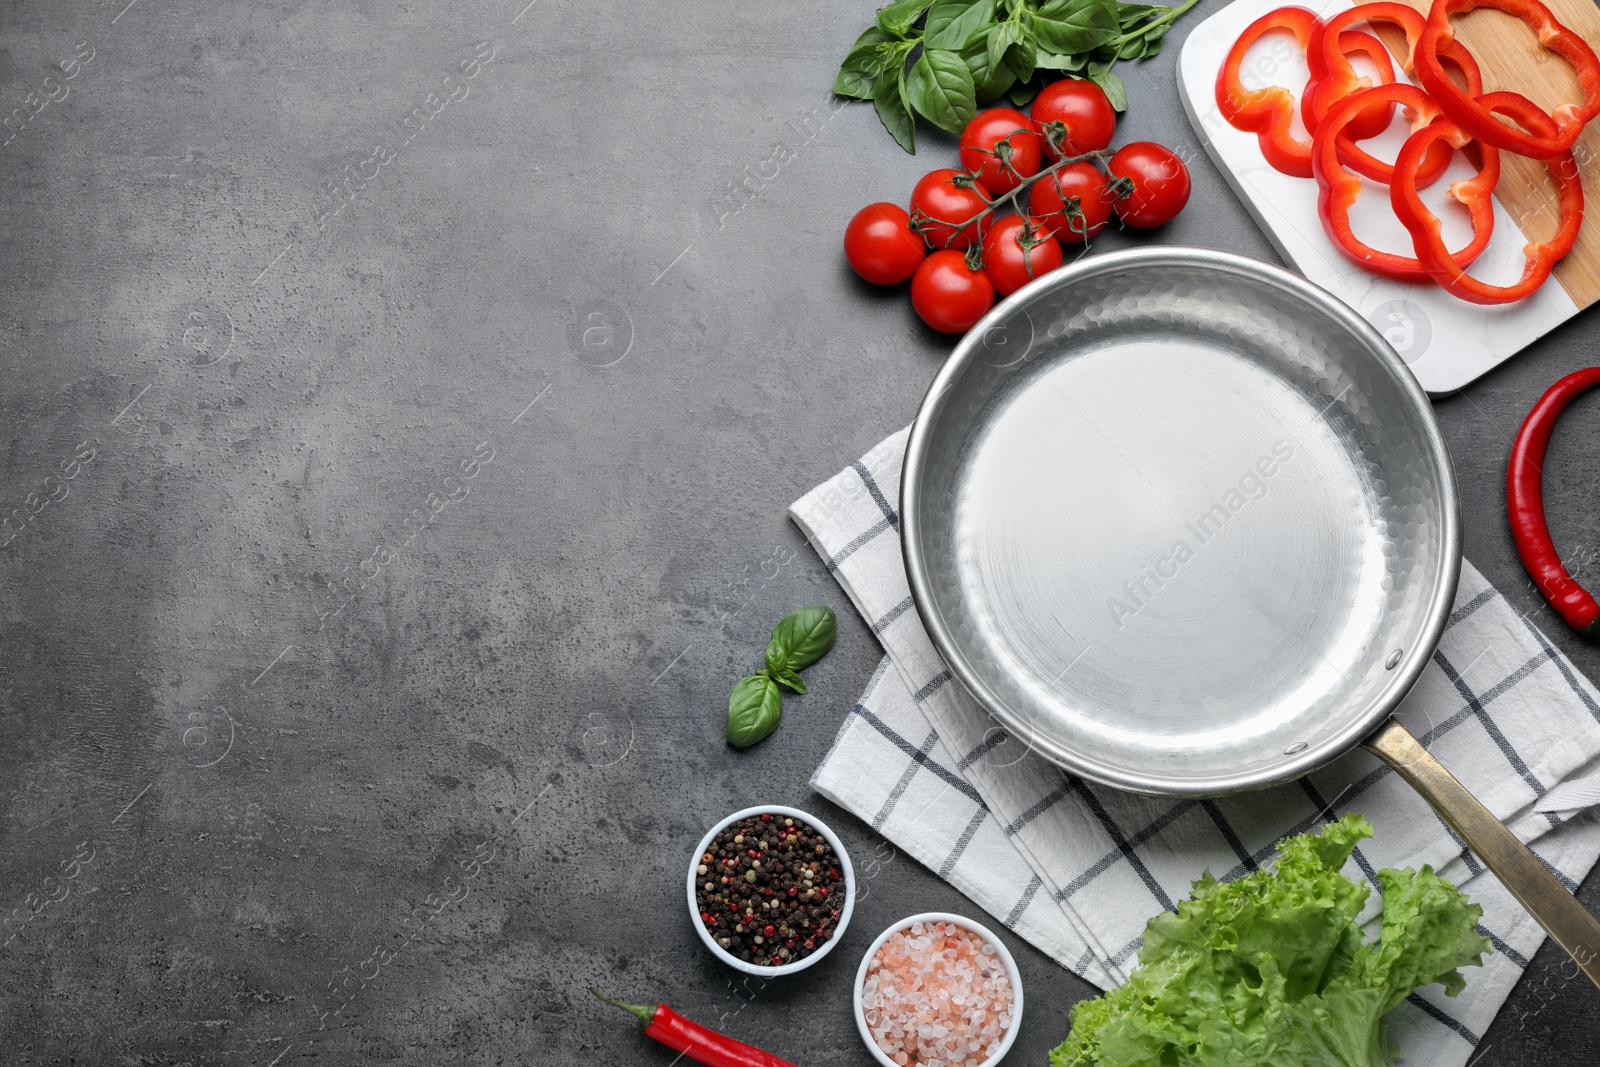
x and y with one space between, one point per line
799 640
943 59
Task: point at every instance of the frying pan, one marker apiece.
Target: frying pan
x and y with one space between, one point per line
1185 523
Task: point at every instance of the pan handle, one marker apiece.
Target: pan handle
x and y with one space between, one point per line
1546 899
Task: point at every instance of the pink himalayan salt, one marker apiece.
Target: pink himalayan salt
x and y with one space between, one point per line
937 995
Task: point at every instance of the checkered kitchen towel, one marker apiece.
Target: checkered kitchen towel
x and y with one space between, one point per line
1077 869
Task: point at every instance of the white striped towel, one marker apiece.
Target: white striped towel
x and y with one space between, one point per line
1078 869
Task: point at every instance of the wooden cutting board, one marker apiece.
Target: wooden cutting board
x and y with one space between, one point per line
1446 342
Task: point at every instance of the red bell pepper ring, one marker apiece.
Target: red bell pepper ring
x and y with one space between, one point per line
1539 256
1333 78
1268 112
1338 188
1468 109
1525 504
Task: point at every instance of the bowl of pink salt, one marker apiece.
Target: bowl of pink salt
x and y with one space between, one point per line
938 990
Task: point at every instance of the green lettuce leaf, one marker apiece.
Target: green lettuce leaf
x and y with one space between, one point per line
1271 969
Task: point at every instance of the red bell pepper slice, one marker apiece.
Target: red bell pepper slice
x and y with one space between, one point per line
1338 188
1469 111
1539 256
1333 79
1268 112
1525 504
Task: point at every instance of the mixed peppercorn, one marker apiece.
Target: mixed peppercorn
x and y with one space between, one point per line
769 890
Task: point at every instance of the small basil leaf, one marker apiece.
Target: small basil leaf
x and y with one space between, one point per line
854 84
1000 38
941 88
889 97
898 18
1020 56
1103 76
801 637
1044 60
952 23
785 676
753 710
987 85
1021 95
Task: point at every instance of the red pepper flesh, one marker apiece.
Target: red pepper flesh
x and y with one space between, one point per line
695 1041
1468 109
1333 79
1525 504
1338 188
1268 112
1539 257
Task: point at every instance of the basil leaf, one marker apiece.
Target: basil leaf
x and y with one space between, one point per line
1000 38
753 710
941 88
989 85
952 23
1020 56
1021 95
1102 75
1043 60
854 84
1067 26
889 97
900 16
801 638
789 678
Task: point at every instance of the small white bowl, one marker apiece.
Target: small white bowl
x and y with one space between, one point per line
960 920
844 913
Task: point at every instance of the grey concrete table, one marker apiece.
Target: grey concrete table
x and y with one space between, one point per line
400 407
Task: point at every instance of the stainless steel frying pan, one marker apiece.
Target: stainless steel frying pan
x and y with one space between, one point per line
1185 523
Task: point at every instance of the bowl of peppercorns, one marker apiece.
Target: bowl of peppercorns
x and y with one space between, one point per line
770 890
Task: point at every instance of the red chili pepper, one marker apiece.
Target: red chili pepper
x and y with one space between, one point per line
1539 256
1525 504
1338 189
1469 109
1269 112
705 1046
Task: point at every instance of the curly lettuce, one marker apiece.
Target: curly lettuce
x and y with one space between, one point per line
1271 969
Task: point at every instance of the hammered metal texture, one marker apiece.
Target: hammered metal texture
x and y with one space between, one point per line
1181 520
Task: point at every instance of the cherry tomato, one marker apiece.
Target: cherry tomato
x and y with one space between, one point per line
1155 180
949 295
1008 264
1080 106
939 198
1000 147
881 246
1081 183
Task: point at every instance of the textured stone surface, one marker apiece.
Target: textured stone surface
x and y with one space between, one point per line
413 828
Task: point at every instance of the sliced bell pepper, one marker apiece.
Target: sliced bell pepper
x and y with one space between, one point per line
1468 109
1268 112
1333 78
1421 110
1539 256
1338 188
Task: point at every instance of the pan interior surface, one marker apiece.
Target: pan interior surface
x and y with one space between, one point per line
1179 545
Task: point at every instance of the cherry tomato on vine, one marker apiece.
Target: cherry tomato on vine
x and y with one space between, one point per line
1155 181
1080 106
1000 147
941 204
949 295
1076 183
1016 252
881 246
